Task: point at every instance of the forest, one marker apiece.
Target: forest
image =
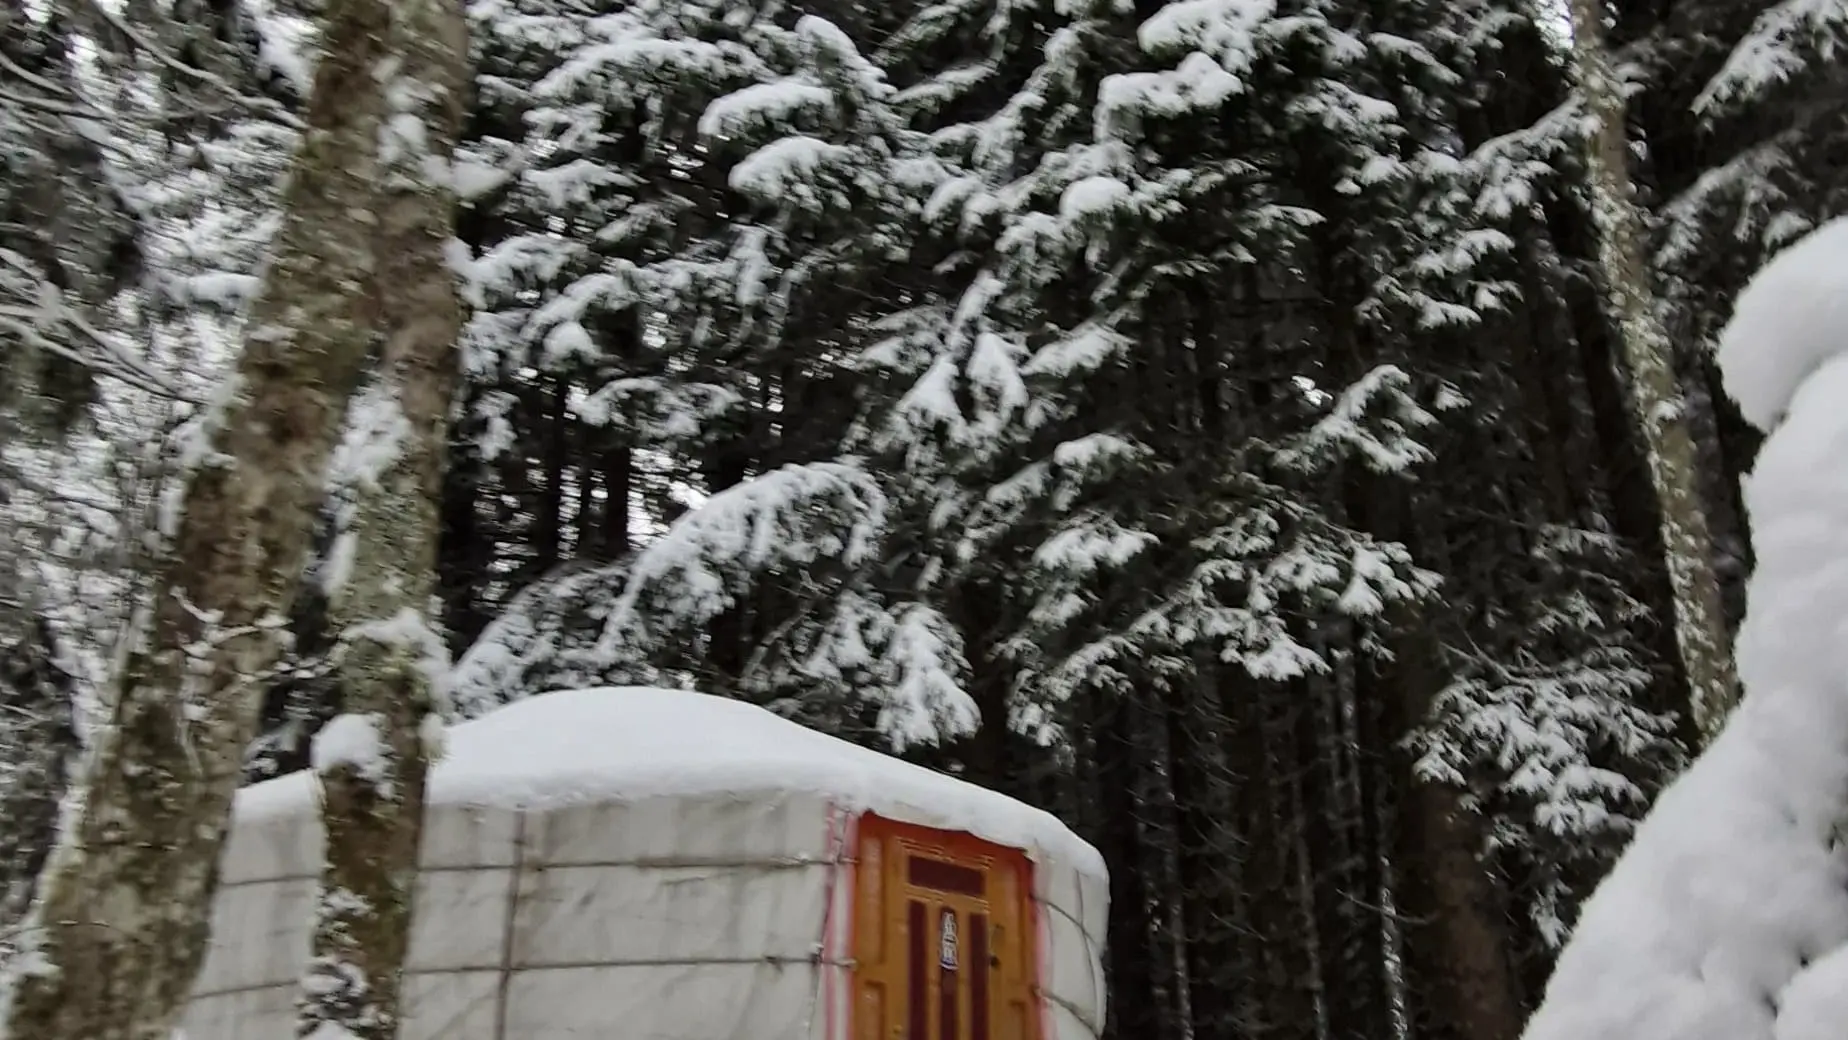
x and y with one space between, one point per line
1281 438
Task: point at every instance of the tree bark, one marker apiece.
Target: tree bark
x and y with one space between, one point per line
1655 391
372 759
1456 934
124 917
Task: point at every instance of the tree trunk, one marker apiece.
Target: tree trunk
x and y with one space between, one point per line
466 548
1655 392
371 760
124 916
1129 959
1456 931
1463 935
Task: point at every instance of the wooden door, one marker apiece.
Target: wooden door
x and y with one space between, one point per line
944 937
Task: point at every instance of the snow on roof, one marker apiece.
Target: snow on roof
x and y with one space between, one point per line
1792 317
624 743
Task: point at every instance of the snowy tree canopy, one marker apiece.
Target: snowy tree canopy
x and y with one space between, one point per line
1204 419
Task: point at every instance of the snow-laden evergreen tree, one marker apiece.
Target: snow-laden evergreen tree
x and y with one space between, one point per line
705 203
1546 724
1098 278
1126 418
1553 722
1740 150
1790 41
1220 264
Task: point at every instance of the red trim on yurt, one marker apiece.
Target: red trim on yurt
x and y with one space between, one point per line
1042 962
840 833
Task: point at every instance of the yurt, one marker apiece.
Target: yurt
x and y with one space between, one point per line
667 865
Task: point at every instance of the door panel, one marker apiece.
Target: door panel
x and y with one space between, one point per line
917 990
943 937
980 967
951 1009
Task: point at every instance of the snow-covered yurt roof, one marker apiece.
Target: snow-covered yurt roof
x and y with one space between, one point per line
679 863
630 743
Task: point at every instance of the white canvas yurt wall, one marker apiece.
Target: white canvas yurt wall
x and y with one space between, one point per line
634 862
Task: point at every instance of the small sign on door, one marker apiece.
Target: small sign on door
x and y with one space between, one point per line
946 941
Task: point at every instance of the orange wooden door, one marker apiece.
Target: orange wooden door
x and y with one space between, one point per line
944 937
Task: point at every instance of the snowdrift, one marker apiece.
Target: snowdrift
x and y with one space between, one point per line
1790 320
1727 918
664 864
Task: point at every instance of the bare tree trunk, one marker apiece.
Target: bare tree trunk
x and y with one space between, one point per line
1458 961
124 917
371 759
1655 392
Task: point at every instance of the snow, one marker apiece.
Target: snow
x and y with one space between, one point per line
331 1031
409 629
627 743
1791 318
1225 29
1091 197
635 59
285 46
993 372
1773 51
1085 349
786 167
336 568
1092 546
927 702
569 340
224 290
355 742
1816 1002
760 105
1127 99
373 440
929 404
1215 42
789 517
1727 918
834 54
473 180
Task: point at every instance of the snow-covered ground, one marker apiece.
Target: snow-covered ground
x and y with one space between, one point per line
1727 918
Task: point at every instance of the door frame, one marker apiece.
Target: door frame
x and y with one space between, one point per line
881 849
